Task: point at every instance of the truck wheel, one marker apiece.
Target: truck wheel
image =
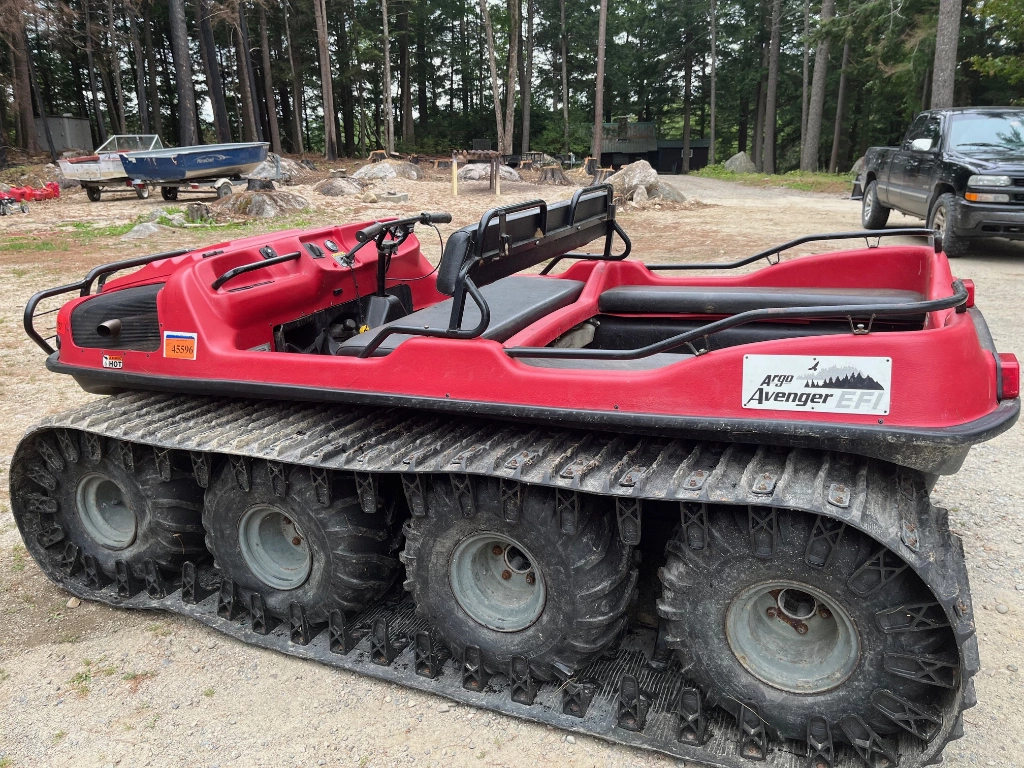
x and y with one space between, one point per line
943 214
873 215
93 193
270 532
546 588
117 510
759 621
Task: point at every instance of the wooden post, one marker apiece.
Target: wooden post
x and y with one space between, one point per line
496 170
455 176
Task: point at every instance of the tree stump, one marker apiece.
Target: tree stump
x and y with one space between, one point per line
553 174
601 174
377 155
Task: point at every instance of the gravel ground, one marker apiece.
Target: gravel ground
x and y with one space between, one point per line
90 685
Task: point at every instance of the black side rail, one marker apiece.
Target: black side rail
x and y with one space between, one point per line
84 288
958 300
448 333
231 273
767 255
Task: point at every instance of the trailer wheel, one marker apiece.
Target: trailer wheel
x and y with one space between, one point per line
941 219
527 588
116 513
270 533
142 191
754 622
169 194
223 190
93 193
873 215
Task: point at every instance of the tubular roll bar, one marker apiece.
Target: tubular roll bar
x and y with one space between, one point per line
958 300
866 235
84 287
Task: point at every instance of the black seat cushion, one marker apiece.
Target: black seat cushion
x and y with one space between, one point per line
515 302
733 300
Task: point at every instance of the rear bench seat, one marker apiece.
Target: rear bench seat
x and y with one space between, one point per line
515 303
698 300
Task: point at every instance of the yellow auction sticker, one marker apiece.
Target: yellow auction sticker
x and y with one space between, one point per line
180 345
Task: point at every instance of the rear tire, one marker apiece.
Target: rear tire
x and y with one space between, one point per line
170 194
93 193
114 513
572 612
292 548
223 191
756 657
941 219
873 215
142 192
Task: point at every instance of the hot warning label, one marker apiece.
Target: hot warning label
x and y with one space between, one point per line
830 384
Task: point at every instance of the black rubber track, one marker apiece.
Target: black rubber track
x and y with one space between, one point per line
701 582
588 574
157 486
353 563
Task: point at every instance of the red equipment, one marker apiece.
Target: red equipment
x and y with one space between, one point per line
779 428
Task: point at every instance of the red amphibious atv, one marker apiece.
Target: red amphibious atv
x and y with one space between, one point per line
299 418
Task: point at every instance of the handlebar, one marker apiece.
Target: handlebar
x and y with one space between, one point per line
374 230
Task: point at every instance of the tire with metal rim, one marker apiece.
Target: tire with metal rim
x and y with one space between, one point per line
142 191
294 537
942 215
873 215
759 619
115 502
540 587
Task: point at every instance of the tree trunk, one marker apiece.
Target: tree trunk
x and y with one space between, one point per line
565 79
422 56
208 54
326 83
804 93
154 91
408 129
743 129
602 30
687 98
296 86
833 163
115 66
348 24
389 113
268 85
771 108
714 77
248 111
514 12
187 132
762 98
26 128
140 71
495 90
527 84
101 129
34 83
926 88
811 147
947 38
250 77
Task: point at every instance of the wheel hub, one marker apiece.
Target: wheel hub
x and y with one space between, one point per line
273 548
496 581
792 636
104 512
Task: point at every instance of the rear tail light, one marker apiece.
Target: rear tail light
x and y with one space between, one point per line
969 285
1010 369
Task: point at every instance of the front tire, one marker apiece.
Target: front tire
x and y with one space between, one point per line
826 655
271 533
522 588
941 219
873 215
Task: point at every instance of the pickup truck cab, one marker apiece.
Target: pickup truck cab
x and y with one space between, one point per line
961 170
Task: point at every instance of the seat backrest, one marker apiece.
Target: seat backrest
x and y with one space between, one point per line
510 239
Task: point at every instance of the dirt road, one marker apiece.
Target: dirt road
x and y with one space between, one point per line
93 686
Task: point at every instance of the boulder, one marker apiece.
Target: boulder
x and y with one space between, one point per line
369 197
263 204
640 195
254 185
740 163
482 171
630 177
858 166
668 192
388 169
198 213
338 187
278 168
144 230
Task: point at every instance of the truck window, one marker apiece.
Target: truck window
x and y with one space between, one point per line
926 127
1001 133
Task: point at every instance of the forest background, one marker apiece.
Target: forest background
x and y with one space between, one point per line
794 83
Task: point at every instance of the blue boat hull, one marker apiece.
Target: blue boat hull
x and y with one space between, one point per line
212 161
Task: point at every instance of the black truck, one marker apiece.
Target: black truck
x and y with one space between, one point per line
961 170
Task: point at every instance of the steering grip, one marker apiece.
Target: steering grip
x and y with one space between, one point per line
373 231
435 218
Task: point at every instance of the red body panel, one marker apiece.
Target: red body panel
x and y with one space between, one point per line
941 375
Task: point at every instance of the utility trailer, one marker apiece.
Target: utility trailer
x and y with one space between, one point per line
681 511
